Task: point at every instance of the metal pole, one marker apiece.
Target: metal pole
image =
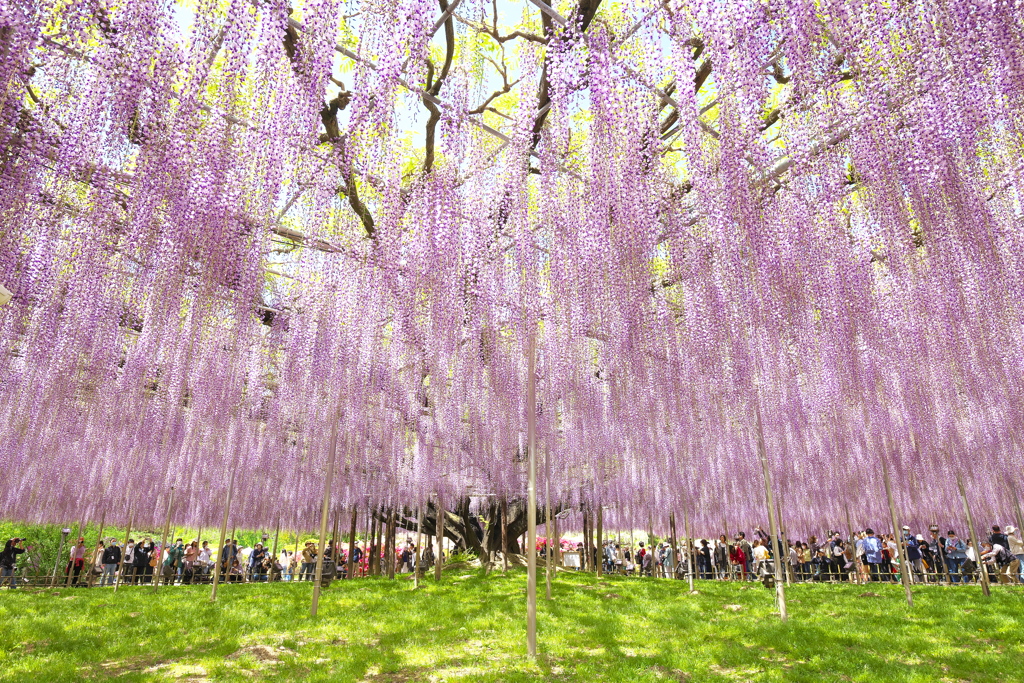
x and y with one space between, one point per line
780 589
324 509
531 508
974 537
223 535
504 534
600 541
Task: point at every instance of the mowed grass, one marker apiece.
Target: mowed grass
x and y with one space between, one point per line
471 627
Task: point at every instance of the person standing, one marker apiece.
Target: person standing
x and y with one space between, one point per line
722 558
938 544
175 556
308 562
256 563
143 558
1016 548
748 554
76 561
9 560
873 554
913 555
760 557
111 560
204 561
956 553
128 562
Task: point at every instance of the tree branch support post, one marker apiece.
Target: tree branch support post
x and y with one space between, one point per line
439 560
548 552
675 545
163 544
689 547
504 534
351 545
223 538
898 534
416 568
531 508
762 452
127 535
324 510
974 537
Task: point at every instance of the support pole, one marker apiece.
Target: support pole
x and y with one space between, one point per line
974 537
223 538
600 540
373 552
504 534
273 553
549 553
531 508
784 550
324 510
56 564
853 545
558 541
439 560
898 534
127 535
351 545
689 547
675 545
416 568
71 569
99 539
762 452
392 545
163 544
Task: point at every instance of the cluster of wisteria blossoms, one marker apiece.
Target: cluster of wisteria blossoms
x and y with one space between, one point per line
228 226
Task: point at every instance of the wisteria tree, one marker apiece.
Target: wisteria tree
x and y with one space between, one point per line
228 226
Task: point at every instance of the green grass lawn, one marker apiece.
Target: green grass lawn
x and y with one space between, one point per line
471 628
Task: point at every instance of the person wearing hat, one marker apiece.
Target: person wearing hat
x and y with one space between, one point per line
913 555
1016 548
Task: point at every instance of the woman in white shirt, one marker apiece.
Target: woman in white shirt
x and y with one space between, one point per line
760 557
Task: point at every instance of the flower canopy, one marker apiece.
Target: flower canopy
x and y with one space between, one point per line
228 225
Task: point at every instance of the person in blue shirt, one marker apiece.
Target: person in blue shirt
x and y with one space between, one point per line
873 554
956 553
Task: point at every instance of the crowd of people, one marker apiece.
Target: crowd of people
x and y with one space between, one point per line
859 557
